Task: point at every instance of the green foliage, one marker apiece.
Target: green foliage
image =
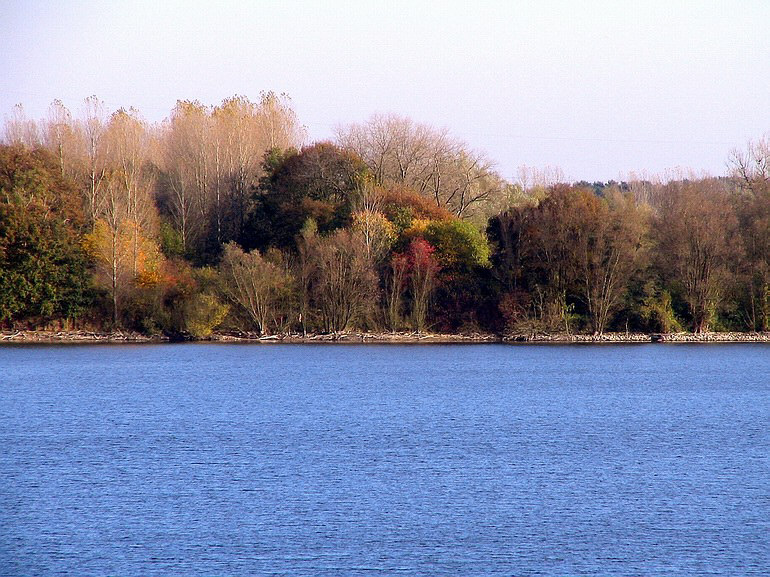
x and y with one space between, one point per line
171 242
401 217
657 310
42 269
31 178
145 310
459 244
321 182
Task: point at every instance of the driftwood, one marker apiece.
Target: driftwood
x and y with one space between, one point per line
75 336
389 337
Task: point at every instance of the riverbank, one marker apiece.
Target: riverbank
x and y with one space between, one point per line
76 337
396 338
713 337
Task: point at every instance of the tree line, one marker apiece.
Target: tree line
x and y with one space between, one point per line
222 218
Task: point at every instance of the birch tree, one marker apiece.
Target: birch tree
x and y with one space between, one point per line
130 146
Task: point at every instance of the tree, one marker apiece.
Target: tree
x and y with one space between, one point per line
344 283
31 178
551 257
610 238
94 168
751 169
570 252
20 130
320 182
696 245
423 271
459 245
540 258
254 284
395 285
42 268
399 151
113 245
306 270
212 161
203 312
186 166
377 231
134 177
59 136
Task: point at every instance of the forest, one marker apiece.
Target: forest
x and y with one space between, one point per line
223 218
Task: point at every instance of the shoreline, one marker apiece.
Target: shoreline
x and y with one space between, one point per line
117 337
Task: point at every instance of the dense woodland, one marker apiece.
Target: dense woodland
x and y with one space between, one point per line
223 218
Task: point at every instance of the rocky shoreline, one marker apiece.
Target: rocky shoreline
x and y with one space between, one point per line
26 336
712 337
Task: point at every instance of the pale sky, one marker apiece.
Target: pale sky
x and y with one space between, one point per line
598 89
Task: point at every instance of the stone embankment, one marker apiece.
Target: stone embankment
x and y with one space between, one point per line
355 337
76 337
714 338
396 338
731 337
577 338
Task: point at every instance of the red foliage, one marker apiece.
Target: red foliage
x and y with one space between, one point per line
420 256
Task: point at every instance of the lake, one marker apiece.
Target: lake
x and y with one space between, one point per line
204 459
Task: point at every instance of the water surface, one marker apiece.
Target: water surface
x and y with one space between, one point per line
393 460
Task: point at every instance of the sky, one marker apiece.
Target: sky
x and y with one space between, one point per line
600 89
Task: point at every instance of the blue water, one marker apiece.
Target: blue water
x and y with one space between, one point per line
392 460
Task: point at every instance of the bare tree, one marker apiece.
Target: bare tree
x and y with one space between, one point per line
186 164
213 160
437 166
610 246
345 283
255 284
696 242
752 166
278 123
395 287
751 169
20 130
92 130
58 136
530 177
130 149
378 232
108 242
423 271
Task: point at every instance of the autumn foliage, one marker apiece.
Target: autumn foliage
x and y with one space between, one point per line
224 218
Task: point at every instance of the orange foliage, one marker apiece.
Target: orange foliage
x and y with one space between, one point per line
399 196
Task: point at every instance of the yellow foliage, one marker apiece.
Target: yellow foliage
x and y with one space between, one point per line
378 232
124 251
203 313
149 262
418 227
97 244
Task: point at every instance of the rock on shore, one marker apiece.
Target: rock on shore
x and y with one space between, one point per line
75 337
402 337
727 337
